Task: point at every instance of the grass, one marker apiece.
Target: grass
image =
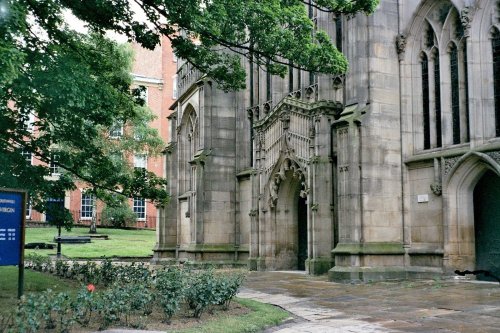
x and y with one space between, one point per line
121 243
33 282
261 316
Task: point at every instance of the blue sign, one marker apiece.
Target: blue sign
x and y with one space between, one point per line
11 227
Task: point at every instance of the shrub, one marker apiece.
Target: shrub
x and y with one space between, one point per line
227 287
62 268
107 272
118 216
38 262
45 310
201 291
112 303
133 273
61 308
84 306
124 300
142 298
170 283
133 291
28 316
89 272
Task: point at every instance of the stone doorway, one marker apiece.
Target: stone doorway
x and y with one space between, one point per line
289 222
302 233
487 224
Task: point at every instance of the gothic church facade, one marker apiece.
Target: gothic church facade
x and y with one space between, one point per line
392 170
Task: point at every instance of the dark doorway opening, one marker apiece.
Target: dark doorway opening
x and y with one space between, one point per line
302 234
487 224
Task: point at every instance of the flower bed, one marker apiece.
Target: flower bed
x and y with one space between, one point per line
121 295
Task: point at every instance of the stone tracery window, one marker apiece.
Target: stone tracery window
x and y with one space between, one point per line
425 101
338 32
437 99
443 79
457 53
455 95
495 44
430 90
190 143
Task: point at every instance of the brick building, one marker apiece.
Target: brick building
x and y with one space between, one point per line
156 71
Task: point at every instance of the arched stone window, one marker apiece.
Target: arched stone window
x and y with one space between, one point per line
425 101
431 108
189 142
338 32
443 116
437 98
454 40
455 94
495 46
466 89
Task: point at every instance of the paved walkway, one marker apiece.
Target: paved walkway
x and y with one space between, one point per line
407 306
319 306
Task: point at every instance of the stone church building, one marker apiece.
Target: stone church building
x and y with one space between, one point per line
389 171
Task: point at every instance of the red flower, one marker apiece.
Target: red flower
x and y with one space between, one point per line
90 288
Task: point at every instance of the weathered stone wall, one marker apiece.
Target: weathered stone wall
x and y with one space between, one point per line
378 203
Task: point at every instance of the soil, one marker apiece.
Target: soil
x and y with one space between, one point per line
155 321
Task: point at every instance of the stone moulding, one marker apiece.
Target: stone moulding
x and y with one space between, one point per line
327 107
214 248
321 265
201 156
401 46
437 188
434 250
449 163
369 248
165 248
170 147
350 114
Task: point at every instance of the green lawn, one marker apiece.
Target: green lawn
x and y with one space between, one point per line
261 317
121 243
33 282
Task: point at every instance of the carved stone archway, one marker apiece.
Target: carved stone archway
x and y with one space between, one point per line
280 175
287 218
460 178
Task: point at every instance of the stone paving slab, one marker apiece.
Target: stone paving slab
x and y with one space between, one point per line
443 306
320 306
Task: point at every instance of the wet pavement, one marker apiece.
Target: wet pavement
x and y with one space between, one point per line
318 305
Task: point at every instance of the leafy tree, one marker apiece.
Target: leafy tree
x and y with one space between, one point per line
78 86
120 215
75 88
273 32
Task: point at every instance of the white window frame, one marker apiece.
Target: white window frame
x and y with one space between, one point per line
139 208
141 161
53 167
26 154
116 131
28 210
28 123
87 206
145 94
